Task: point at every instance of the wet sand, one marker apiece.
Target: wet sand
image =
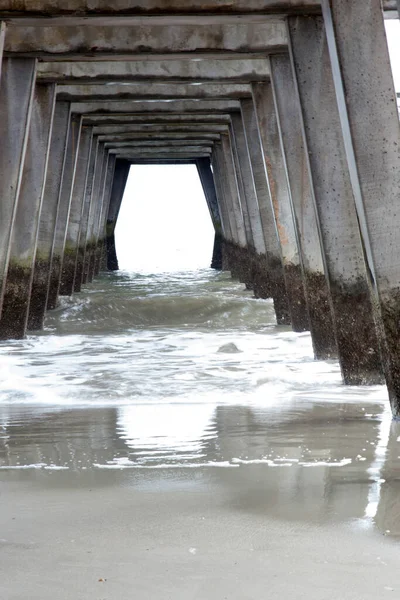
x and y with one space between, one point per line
301 505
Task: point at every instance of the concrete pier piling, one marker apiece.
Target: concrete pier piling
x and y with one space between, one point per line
289 113
48 216
60 232
275 267
274 167
121 173
208 183
75 214
339 225
17 88
22 248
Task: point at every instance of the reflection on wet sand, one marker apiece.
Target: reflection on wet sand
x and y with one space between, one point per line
309 460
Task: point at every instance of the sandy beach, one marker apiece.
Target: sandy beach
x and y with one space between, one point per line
179 536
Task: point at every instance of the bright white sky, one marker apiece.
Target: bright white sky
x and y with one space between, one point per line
164 222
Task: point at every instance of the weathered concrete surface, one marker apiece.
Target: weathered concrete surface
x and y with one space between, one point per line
208 184
267 129
151 72
371 130
87 209
157 11
157 118
153 91
48 216
66 188
16 100
118 41
146 151
22 251
279 128
94 215
121 173
345 265
232 197
104 201
250 194
101 257
218 166
275 270
75 214
3 28
206 106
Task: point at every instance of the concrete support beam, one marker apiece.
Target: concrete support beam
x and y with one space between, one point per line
121 173
149 144
369 118
155 118
276 280
120 42
18 282
102 12
17 87
339 225
280 131
60 232
157 130
75 214
152 91
146 151
178 107
87 211
207 181
159 157
150 72
48 217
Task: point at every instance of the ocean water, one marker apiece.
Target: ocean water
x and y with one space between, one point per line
181 372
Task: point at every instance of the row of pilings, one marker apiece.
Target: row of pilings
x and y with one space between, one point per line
290 119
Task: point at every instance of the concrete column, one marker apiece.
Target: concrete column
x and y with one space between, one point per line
230 243
48 216
67 185
227 221
339 224
121 173
366 98
112 160
75 213
86 209
16 100
275 273
23 240
101 235
253 209
2 38
281 136
93 215
207 181
234 200
242 192
274 167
